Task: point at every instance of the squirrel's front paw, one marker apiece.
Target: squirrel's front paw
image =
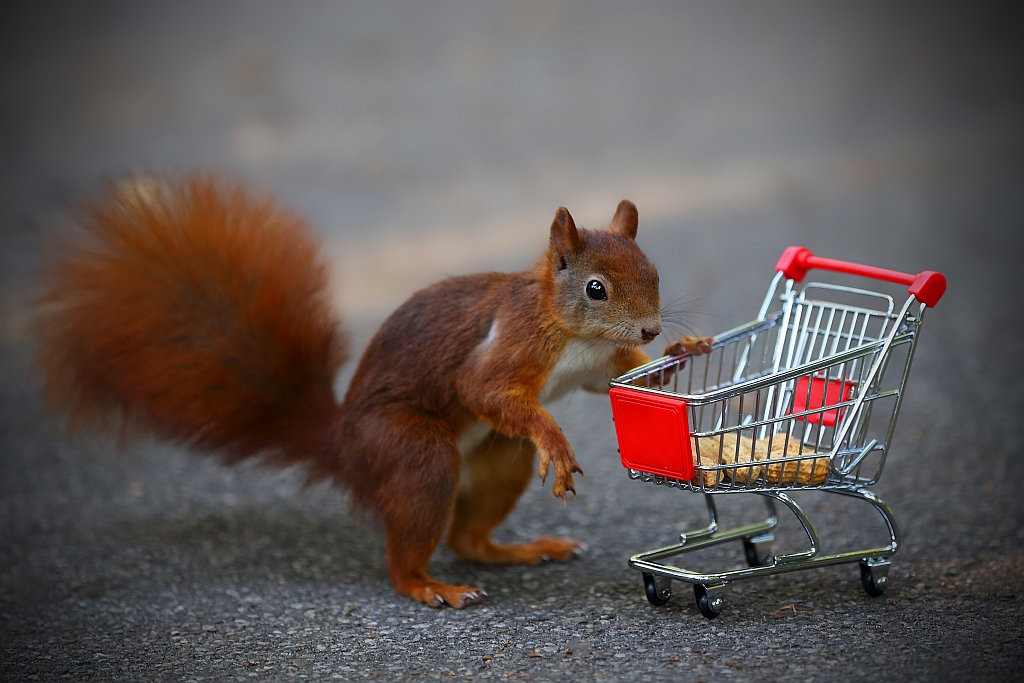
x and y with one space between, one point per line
696 346
565 464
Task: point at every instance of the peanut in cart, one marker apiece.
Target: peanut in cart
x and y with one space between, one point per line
804 398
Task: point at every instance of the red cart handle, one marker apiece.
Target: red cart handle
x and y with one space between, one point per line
928 286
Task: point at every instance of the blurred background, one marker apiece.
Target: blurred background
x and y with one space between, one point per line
424 139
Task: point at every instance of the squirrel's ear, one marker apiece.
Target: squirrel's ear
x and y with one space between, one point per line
565 238
625 219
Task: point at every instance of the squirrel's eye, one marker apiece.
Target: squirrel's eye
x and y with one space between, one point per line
596 291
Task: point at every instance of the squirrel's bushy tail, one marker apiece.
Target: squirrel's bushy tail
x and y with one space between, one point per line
199 313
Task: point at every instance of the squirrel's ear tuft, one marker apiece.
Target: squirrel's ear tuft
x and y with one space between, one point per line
565 238
625 220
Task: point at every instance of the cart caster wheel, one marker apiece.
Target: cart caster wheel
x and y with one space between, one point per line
758 550
873 576
709 599
658 588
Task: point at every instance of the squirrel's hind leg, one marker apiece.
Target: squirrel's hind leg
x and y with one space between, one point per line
415 500
496 471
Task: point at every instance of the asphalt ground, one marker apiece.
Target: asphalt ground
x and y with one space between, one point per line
417 141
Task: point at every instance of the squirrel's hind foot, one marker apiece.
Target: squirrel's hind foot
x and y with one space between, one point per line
435 594
541 549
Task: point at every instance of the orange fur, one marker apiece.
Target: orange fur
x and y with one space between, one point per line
198 312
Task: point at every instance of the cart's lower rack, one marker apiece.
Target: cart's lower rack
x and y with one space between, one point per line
725 486
757 541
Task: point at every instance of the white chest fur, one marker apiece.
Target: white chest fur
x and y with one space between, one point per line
584 363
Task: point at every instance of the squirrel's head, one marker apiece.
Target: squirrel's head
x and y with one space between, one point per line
604 286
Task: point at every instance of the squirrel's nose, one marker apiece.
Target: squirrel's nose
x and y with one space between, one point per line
648 335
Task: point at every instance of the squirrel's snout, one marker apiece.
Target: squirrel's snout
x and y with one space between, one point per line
650 327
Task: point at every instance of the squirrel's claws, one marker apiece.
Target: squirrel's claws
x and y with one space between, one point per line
696 346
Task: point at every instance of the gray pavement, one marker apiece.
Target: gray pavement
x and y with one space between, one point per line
436 138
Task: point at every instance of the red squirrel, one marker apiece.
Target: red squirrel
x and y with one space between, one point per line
199 313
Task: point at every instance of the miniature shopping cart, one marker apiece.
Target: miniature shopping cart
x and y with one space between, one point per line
805 398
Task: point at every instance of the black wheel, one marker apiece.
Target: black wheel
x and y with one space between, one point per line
709 606
658 589
874 585
754 558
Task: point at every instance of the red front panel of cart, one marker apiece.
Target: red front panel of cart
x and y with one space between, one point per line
653 433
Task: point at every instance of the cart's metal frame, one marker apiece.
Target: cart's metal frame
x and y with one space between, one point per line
808 338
